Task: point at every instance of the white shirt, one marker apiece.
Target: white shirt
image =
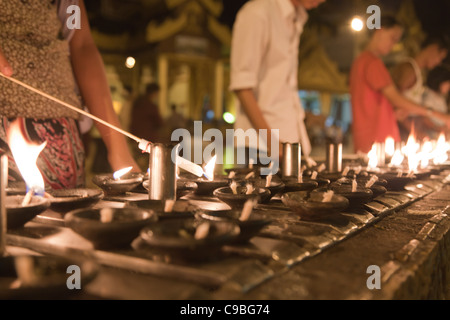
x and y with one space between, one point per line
435 101
264 57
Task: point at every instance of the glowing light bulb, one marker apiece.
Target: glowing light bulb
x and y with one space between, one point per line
130 62
357 24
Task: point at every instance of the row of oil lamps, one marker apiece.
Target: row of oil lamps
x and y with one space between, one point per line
312 194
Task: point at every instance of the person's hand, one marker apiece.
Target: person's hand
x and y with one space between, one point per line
401 114
440 116
5 67
447 121
123 160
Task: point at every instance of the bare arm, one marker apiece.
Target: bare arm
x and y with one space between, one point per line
402 103
5 67
90 74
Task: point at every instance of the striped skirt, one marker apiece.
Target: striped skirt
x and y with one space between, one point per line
62 160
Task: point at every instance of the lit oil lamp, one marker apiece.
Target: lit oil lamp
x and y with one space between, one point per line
25 154
20 209
119 182
389 150
209 182
439 155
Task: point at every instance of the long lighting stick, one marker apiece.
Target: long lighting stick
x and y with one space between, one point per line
143 144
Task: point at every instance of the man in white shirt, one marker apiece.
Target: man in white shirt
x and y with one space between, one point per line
264 64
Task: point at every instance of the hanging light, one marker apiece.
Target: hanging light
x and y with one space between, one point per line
130 62
357 24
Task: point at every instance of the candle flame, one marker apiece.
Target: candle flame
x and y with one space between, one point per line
25 155
411 151
120 173
189 166
373 158
209 168
426 154
389 146
440 152
397 158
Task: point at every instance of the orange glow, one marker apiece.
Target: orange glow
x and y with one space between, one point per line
373 158
209 168
120 173
410 150
440 154
397 158
25 155
389 146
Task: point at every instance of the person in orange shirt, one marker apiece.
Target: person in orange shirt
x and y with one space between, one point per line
374 95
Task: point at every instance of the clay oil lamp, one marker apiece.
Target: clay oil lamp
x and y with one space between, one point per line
301 183
440 154
275 186
18 214
118 183
25 155
168 209
209 182
273 183
374 183
109 228
22 208
323 174
28 277
357 195
315 205
313 175
393 175
250 223
181 240
64 200
418 158
235 195
397 181
206 187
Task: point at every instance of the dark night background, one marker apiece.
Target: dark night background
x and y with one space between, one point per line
434 15
135 13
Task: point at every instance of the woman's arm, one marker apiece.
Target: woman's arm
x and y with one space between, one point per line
5 67
399 101
91 78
